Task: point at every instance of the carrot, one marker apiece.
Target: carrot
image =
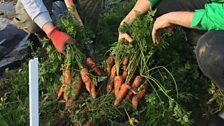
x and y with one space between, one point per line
125 61
110 82
117 84
67 77
136 83
93 66
123 91
65 97
90 87
109 63
93 91
78 86
86 79
66 80
137 97
68 103
60 92
124 67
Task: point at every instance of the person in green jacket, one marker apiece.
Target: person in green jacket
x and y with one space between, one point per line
203 19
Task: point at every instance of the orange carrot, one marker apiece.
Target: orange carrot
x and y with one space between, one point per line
110 82
67 77
60 92
93 91
86 79
93 66
136 83
123 91
124 67
109 62
125 61
90 87
68 103
137 97
66 80
78 86
117 84
65 97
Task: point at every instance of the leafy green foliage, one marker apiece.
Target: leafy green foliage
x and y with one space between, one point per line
169 101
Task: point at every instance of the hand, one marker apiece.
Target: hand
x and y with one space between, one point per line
124 36
160 23
59 39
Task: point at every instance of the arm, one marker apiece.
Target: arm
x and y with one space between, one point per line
173 18
141 7
180 18
40 15
71 7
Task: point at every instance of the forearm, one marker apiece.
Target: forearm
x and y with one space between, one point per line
141 7
181 18
37 11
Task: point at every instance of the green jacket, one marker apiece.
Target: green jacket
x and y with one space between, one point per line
209 18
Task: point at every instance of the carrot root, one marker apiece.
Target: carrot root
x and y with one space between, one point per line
110 82
123 90
78 86
138 96
93 91
93 66
109 63
85 78
60 92
117 84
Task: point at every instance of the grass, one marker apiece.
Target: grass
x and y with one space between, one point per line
177 87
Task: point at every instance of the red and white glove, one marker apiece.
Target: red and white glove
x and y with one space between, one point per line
59 39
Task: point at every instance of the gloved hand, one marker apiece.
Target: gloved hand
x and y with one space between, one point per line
59 39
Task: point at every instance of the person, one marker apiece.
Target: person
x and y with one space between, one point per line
34 17
204 18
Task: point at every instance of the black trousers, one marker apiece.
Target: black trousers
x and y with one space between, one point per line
209 44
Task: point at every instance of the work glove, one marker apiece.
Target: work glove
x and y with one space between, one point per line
59 39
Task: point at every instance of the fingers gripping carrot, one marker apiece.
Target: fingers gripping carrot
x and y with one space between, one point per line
93 66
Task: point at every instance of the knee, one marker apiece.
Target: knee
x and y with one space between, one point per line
23 21
210 56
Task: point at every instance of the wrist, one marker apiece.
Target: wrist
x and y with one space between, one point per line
48 28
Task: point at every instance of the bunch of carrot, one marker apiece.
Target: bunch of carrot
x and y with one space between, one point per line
122 88
74 61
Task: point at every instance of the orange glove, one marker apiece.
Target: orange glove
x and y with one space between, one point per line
59 39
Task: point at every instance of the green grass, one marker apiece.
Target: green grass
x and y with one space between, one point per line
177 95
